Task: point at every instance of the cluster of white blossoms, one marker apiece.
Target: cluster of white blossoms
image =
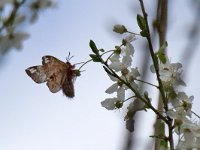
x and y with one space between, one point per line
177 105
14 15
187 130
120 63
180 111
170 74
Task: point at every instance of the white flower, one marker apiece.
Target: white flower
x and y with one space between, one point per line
183 97
178 114
121 93
119 66
12 40
120 89
186 102
170 74
190 132
123 60
115 58
113 88
133 74
129 49
110 103
183 101
130 38
37 6
188 143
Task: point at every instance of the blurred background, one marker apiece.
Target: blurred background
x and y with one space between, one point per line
31 117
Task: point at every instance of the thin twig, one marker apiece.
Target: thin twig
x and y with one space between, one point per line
195 114
146 83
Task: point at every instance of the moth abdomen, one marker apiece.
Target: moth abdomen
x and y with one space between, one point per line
68 88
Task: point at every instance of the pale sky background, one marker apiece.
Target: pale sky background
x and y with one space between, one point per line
33 118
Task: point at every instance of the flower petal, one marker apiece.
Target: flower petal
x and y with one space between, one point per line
112 88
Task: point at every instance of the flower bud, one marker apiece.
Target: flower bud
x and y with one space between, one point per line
119 29
118 104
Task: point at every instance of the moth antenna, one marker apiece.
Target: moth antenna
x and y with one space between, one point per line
68 58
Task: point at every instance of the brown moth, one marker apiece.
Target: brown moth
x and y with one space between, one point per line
56 73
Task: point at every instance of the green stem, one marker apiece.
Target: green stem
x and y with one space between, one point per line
154 57
161 88
146 82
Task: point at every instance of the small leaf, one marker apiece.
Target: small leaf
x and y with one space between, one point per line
141 22
163 144
162 129
124 42
161 53
93 47
102 50
162 58
95 58
163 47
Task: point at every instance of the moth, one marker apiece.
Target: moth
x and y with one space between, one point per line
57 75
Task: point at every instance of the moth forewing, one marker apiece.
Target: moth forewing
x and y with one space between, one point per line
37 73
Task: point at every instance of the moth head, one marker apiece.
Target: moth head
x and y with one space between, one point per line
77 72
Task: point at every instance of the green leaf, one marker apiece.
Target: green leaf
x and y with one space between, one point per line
141 22
93 47
124 42
163 47
163 144
95 58
163 58
161 53
162 129
102 50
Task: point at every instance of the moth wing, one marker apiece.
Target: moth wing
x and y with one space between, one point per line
55 82
68 88
56 72
52 62
53 86
37 73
